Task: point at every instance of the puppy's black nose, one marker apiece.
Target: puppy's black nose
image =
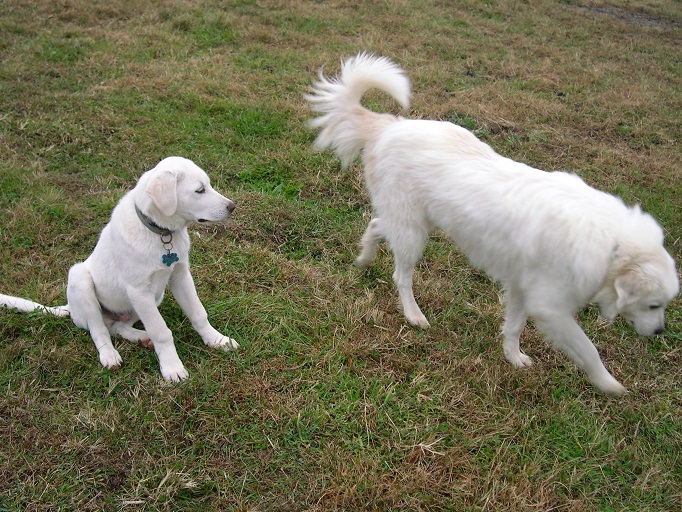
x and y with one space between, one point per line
231 206
659 330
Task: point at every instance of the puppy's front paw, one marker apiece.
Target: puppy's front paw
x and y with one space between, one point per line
519 360
110 358
174 373
223 343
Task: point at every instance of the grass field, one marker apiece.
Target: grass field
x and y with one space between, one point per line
333 402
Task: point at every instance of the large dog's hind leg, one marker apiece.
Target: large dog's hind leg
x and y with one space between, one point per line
407 246
368 243
86 313
564 331
185 293
514 323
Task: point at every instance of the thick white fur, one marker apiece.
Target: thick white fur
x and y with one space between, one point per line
124 279
554 243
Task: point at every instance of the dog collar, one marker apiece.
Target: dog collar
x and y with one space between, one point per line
150 224
166 237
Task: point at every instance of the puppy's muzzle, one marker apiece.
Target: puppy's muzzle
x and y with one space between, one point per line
230 206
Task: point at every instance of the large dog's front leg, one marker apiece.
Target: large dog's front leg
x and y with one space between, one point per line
144 304
564 331
184 291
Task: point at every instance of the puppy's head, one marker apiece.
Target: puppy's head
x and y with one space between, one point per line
179 192
641 291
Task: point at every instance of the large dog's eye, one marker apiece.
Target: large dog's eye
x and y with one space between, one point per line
655 306
201 190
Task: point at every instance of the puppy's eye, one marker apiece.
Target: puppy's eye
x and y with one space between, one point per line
655 306
201 190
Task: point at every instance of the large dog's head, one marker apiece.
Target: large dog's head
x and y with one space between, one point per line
640 291
177 192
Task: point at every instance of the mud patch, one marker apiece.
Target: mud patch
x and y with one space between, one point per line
633 17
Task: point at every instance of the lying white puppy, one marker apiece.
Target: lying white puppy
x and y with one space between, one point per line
144 248
555 243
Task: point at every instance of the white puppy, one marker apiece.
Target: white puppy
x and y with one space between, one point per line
554 243
144 248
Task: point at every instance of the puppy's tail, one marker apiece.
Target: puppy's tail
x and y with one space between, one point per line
26 306
345 124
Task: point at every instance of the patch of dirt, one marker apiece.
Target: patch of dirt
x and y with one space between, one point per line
633 17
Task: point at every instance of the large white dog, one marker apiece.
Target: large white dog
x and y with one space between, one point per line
143 249
553 242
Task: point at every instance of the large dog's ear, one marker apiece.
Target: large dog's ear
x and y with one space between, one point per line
162 189
631 285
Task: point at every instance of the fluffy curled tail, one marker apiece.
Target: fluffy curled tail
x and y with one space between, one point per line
345 124
26 306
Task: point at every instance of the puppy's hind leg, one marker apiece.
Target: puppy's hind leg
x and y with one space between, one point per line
368 243
126 331
86 313
514 323
407 245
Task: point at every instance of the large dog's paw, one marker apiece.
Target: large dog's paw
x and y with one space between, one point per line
607 384
418 320
411 310
363 261
110 358
174 372
222 342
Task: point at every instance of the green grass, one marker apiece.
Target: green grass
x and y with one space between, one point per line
333 402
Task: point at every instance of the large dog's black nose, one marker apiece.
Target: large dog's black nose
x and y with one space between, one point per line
230 206
659 330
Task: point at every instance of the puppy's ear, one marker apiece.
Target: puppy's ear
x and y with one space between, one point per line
630 285
162 189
